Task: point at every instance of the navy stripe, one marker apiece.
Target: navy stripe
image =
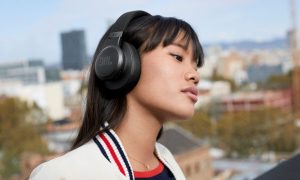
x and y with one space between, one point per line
101 148
122 153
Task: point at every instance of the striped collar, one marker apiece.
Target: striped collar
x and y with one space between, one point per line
111 148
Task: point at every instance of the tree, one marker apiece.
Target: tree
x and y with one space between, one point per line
257 131
200 124
18 134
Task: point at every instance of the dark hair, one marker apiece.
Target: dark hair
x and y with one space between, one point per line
145 34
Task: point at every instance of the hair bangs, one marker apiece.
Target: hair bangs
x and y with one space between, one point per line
167 30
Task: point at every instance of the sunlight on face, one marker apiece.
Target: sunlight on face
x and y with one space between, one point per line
164 88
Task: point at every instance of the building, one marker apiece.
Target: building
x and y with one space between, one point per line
61 137
53 73
192 156
26 72
74 55
74 83
30 160
212 55
231 64
48 96
210 90
249 101
242 169
261 73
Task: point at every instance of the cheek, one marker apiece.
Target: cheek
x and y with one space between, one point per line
153 72
159 81
152 81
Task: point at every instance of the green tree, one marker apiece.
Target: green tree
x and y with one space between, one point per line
257 131
199 125
18 134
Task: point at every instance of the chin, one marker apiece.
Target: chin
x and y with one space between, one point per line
177 111
185 115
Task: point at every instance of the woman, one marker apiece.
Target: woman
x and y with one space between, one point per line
144 73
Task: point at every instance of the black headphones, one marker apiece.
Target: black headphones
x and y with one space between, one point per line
118 63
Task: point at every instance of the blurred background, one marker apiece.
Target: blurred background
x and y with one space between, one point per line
248 115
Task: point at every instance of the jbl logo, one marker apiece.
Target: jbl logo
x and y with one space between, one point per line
105 60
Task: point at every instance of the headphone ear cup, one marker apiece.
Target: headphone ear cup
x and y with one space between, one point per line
131 72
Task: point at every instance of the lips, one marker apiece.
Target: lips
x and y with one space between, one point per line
192 93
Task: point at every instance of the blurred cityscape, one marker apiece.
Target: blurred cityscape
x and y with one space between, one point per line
247 117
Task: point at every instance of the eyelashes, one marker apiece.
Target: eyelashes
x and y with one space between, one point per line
177 57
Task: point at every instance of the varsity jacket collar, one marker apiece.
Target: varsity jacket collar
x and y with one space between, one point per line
112 149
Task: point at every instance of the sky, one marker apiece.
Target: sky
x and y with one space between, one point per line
30 29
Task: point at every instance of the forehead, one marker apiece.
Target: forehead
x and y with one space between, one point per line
182 42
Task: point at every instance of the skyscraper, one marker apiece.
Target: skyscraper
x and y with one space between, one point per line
74 54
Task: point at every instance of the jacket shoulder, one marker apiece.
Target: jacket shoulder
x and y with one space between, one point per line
85 162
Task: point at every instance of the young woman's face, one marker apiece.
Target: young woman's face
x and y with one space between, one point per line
167 86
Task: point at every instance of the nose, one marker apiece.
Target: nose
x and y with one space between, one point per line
192 75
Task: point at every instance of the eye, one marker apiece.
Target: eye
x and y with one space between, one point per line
177 57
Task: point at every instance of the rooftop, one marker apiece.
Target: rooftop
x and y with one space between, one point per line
178 140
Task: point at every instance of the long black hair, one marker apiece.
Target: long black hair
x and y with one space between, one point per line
145 34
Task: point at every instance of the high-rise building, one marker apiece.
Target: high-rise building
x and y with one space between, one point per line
74 54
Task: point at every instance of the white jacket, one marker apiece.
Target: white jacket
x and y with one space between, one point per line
101 158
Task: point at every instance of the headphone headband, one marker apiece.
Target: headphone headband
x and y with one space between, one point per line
123 21
121 24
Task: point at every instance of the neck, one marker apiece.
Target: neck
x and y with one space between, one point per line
138 132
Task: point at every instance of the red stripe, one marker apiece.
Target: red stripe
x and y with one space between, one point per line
147 174
112 153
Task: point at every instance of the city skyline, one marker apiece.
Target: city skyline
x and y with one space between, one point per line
31 28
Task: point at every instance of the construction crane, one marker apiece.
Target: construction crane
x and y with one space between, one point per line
296 62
